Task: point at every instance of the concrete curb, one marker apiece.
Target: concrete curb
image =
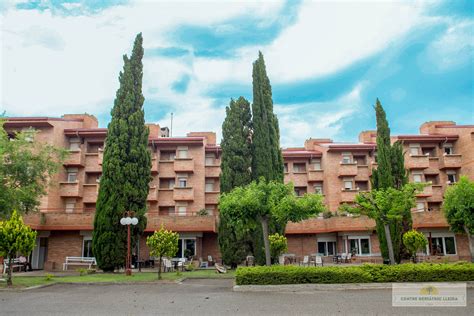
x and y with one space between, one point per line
321 287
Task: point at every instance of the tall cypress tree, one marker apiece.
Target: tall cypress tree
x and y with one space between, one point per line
235 171
126 168
390 172
267 161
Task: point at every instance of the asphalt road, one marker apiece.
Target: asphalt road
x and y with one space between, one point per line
205 297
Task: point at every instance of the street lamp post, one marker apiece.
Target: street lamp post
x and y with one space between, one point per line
128 220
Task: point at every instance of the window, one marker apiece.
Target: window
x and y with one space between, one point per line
326 248
182 182
74 144
300 191
29 134
181 210
186 247
348 184
182 152
171 211
316 163
167 155
167 183
414 149
417 177
210 159
69 205
87 247
448 149
441 246
429 152
285 167
210 209
299 167
209 185
362 185
72 175
318 188
432 178
346 158
451 176
360 160
420 206
360 246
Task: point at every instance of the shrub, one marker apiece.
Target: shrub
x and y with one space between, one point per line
424 272
278 245
327 214
48 276
82 271
414 241
91 271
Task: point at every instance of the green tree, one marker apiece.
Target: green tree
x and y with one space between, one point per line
15 237
261 202
387 206
236 166
414 241
26 168
163 243
126 168
267 161
278 245
390 173
458 207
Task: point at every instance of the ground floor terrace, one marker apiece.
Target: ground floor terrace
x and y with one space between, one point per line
60 236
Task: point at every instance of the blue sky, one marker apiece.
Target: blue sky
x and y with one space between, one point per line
327 61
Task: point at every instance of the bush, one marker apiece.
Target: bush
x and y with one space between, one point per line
327 214
367 273
48 276
82 271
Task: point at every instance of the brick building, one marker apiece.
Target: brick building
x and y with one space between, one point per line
185 187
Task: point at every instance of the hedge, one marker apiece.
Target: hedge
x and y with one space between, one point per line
367 273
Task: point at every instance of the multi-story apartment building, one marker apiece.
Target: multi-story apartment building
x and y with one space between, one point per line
184 191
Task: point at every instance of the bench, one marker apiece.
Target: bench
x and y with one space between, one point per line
79 261
16 263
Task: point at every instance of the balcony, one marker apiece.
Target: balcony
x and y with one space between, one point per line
433 219
331 225
70 189
427 191
348 195
315 175
166 169
59 221
347 169
188 223
363 172
90 193
165 197
450 162
183 194
417 161
211 197
184 165
154 165
93 162
212 171
437 193
74 158
152 194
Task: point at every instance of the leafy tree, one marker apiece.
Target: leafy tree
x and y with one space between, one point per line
267 161
15 237
25 171
390 173
387 206
236 166
414 241
278 245
126 168
458 206
163 243
261 202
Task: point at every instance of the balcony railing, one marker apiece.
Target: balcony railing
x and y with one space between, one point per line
191 223
74 158
363 172
166 169
212 171
165 197
329 225
211 197
437 193
315 175
417 161
183 194
152 194
348 195
154 165
70 189
347 169
93 162
90 193
184 165
450 162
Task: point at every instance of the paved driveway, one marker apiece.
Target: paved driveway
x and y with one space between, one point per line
204 297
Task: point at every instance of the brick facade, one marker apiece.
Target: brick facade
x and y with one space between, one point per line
185 182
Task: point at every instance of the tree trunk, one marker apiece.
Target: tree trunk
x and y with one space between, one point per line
389 243
9 277
159 269
266 241
469 238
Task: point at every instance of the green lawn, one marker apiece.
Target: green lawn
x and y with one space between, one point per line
27 281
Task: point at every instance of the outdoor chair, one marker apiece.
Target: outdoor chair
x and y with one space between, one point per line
343 257
305 261
210 261
168 265
348 258
281 260
319 261
203 264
